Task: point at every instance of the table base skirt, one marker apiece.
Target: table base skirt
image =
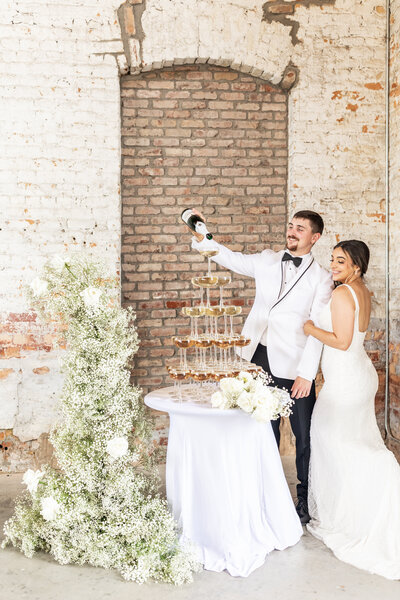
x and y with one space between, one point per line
237 565
236 508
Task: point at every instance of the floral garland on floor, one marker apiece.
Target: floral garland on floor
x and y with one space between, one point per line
103 508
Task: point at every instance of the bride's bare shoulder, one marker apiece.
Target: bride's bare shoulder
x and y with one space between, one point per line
341 290
342 295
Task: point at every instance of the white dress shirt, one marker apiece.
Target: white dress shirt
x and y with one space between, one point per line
289 272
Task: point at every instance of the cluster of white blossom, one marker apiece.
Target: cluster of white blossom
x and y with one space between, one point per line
102 507
253 395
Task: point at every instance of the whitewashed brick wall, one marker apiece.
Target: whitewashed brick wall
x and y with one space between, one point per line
60 159
59 176
337 128
60 123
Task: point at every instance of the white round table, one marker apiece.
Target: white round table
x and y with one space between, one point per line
225 484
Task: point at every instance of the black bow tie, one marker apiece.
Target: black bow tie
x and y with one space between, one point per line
296 259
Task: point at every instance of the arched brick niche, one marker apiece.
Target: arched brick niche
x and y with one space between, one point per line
203 136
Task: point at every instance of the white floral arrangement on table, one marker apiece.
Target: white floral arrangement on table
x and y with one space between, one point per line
253 395
102 507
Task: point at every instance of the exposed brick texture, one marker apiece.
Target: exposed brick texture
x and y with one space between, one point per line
394 224
201 136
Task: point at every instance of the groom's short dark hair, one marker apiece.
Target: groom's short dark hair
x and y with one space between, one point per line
317 223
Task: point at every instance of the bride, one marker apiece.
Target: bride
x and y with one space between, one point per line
354 497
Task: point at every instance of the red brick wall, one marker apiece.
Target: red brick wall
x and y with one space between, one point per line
200 136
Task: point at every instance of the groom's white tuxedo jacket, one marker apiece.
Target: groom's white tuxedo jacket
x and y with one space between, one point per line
290 352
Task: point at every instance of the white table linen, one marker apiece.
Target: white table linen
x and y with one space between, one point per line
225 485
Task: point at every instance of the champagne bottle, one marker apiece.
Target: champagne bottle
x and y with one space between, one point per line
195 223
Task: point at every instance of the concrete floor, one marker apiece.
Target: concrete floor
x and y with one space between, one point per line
307 571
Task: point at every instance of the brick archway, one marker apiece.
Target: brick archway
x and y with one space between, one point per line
194 135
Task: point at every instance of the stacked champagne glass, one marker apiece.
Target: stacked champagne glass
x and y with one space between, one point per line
212 340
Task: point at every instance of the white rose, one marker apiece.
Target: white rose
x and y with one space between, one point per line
260 387
39 286
265 405
231 386
91 296
50 508
262 413
218 400
31 479
245 377
57 263
117 447
263 394
249 383
267 402
245 402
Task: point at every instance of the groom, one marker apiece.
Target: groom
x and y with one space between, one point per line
291 287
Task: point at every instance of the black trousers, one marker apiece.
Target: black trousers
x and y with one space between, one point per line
300 420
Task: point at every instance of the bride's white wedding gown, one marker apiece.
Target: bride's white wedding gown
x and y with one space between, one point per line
354 497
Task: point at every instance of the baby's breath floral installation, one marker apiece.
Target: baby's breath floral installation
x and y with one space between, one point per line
102 507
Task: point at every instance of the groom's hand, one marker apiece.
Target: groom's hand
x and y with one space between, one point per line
301 388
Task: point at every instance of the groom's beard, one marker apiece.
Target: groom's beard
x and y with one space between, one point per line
292 243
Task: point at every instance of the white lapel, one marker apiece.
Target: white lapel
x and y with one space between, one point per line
294 281
281 272
271 279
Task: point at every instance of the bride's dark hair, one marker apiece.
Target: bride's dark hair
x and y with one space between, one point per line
358 252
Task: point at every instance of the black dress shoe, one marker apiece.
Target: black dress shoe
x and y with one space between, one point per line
302 511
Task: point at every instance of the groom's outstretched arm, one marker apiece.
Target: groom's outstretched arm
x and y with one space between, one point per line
243 264
309 362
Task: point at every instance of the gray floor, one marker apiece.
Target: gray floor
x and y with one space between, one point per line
306 571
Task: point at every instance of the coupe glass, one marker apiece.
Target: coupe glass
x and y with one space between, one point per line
208 281
232 362
199 375
196 284
222 344
214 312
232 311
203 343
223 280
241 343
183 343
209 254
253 369
178 375
194 312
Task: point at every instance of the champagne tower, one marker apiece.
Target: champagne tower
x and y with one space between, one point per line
215 350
